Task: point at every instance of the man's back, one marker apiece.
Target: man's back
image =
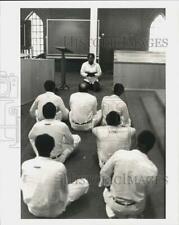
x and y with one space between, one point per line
55 128
133 175
112 138
48 96
83 107
115 103
44 186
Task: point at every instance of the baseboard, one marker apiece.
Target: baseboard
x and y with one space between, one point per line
140 89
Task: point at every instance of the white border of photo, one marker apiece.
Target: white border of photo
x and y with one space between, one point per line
10 210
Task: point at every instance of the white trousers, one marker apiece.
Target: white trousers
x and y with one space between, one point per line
97 118
67 149
88 126
76 189
121 211
101 162
77 140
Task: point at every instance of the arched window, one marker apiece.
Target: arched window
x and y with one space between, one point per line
37 34
157 38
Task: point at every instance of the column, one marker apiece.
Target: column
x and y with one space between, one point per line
93 30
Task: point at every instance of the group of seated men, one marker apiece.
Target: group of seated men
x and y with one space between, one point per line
127 173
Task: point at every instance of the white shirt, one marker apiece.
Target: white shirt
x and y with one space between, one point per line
83 107
42 99
111 138
87 68
55 128
44 186
115 103
133 175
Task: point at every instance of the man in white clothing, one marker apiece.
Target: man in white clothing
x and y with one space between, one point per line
91 71
128 176
115 103
83 106
49 96
44 182
65 142
113 137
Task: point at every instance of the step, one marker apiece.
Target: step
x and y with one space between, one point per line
156 116
161 97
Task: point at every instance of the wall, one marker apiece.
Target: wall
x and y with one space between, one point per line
52 13
124 29
33 75
139 69
132 75
59 13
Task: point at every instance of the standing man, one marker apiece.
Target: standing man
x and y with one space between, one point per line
91 71
44 182
128 176
113 137
83 115
65 142
49 96
115 103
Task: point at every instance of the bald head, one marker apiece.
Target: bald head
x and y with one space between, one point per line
83 87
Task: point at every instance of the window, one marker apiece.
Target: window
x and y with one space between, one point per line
37 34
157 38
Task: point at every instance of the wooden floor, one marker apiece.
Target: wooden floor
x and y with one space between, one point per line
83 163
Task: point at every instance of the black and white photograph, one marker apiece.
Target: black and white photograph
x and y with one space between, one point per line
93 113
89 113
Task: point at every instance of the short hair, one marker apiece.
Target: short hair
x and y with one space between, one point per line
49 110
49 85
118 89
44 144
146 141
91 54
83 87
113 118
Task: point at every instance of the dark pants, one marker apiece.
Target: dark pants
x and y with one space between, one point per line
94 87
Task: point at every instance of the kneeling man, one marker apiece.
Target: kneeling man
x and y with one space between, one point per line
83 106
65 142
128 177
49 96
113 137
91 71
44 182
115 103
